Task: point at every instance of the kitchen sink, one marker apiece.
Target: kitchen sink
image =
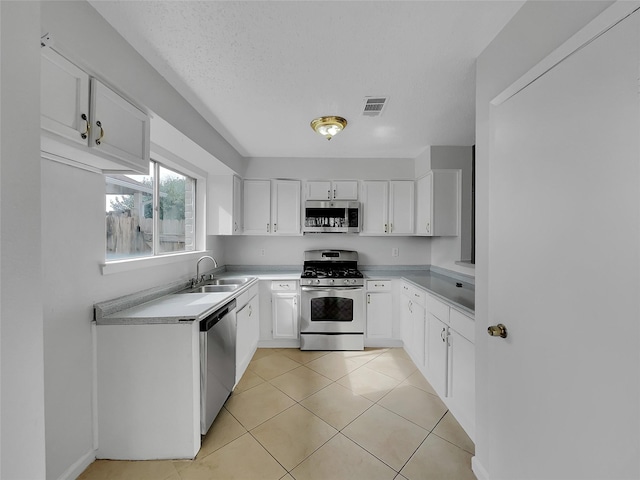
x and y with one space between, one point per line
221 285
214 288
239 281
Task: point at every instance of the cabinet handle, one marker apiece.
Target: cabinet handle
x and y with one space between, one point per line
391 228
268 228
428 227
250 312
275 227
334 193
410 305
99 139
416 295
385 228
328 194
87 128
497 331
442 336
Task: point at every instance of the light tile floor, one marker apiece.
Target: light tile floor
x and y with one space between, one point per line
321 415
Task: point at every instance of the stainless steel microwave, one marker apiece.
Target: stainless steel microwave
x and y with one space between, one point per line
331 217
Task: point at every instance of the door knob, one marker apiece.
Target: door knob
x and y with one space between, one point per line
497 331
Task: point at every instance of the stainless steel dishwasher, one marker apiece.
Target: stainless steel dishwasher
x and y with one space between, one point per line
217 361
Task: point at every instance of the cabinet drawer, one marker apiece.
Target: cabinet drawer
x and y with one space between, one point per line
374 285
439 309
416 295
463 324
284 285
246 296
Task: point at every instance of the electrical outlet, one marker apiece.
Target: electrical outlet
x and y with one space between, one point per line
262 252
395 252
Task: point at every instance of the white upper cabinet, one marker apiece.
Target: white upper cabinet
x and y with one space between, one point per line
87 124
375 207
271 207
64 104
331 190
224 205
118 128
257 207
438 203
388 207
401 207
285 207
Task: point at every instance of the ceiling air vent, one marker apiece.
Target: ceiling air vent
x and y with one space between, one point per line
373 106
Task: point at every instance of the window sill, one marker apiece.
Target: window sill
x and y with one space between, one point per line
120 266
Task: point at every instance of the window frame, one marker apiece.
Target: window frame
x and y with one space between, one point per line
166 159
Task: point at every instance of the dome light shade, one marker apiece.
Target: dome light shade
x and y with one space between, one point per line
328 126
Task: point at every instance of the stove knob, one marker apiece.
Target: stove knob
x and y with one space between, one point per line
317 281
331 281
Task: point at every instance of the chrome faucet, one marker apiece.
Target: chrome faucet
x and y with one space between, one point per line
199 278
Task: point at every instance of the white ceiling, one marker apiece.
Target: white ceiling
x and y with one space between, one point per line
260 71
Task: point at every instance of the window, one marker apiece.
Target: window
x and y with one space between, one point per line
149 215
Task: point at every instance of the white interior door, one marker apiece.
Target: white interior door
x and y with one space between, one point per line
564 269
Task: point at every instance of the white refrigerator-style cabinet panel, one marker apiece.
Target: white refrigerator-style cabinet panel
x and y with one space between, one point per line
118 128
64 98
257 207
285 207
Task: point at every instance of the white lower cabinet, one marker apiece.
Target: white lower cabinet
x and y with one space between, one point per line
379 312
279 314
437 353
247 330
413 318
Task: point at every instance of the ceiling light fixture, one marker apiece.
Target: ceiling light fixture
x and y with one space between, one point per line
328 126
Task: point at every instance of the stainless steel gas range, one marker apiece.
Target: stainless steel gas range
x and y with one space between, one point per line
332 310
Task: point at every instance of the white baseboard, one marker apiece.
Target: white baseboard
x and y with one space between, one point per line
79 466
478 469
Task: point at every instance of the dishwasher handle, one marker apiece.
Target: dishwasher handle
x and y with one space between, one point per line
208 322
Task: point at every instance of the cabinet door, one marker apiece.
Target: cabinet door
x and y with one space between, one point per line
285 315
418 321
257 207
237 206
375 204
437 352
118 128
285 211
243 341
424 204
345 190
462 378
379 315
405 320
318 190
64 98
401 203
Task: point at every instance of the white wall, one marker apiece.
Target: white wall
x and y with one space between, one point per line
22 440
331 168
73 231
445 251
507 58
246 250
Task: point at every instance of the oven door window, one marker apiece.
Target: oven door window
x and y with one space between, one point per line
331 309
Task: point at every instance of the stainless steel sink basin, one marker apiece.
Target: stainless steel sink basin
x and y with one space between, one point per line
229 281
221 285
214 288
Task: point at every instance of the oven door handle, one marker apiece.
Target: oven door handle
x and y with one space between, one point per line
328 288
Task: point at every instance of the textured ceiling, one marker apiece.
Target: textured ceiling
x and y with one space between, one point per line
260 71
